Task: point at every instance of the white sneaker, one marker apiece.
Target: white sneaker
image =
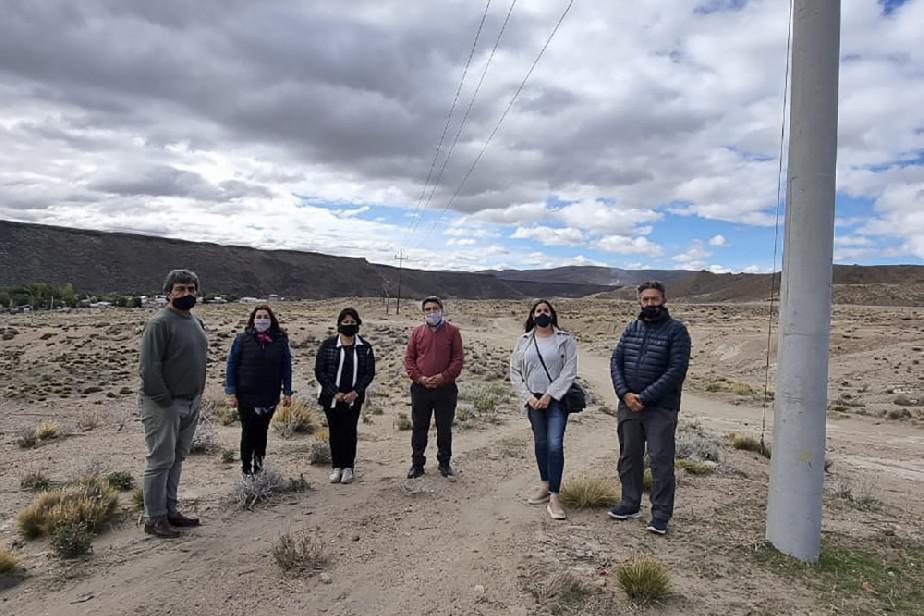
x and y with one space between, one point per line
336 475
347 476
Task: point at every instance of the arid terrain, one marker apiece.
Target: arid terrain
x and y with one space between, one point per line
470 546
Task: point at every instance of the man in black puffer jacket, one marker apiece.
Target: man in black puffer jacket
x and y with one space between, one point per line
648 367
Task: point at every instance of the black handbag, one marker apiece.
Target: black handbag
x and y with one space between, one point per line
574 399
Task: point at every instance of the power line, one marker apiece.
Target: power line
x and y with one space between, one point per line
500 120
468 109
452 107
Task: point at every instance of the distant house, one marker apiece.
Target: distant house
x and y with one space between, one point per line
101 305
273 297
218 299
249 300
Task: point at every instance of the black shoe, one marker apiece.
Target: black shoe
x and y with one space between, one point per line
414 472
257 464
446 471
657 526
181 521
161 528
623 512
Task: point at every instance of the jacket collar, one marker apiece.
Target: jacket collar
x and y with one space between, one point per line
357 341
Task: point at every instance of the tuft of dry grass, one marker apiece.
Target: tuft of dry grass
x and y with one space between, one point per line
26 438
694 467
299 553
138 499
319 453
746 442
644 579
590 492
298 417
46 430
121 480
226 455
92 504
647 480
7 560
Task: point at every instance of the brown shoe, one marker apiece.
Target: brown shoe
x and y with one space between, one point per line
161 528
181 521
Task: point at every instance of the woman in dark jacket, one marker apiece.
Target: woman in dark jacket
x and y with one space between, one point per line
259 366
344 368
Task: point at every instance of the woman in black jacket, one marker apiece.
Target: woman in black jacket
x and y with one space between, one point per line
259 366
344 368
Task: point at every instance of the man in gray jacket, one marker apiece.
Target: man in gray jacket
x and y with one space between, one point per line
648 368
174 351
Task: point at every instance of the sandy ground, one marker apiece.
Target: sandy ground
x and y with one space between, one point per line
470 546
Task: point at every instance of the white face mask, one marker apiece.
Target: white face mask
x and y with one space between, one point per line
261 325
433 319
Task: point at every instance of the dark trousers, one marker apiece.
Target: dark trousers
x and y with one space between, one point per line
424 404
253 436
656 427
341 424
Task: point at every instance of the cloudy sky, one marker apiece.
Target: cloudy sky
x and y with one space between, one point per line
646 136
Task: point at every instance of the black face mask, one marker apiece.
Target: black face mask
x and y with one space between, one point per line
543 320
348 329
184 303
651 313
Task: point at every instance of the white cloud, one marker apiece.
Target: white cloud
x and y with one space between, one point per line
550 236
623 244
718 240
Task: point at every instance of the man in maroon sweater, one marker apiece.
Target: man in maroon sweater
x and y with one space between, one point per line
433 361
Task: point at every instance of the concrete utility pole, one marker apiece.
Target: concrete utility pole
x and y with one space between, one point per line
401 258
797 466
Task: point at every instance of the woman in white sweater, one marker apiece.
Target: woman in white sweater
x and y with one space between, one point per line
542 368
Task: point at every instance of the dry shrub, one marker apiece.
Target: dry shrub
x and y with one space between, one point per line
205 440
35 481
303 552
644 580
138 499
226 456
647 480
121 480
587 492
71 540
7 560
319 453
89 420
297 417
47 430
403 422
26 438
694 441
561 592
262 486
92 504
322 434
858 494
742 389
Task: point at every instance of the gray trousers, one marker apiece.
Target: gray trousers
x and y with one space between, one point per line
168 434
655 427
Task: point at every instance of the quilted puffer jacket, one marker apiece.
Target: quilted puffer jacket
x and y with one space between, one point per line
651 360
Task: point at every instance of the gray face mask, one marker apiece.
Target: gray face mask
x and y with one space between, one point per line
262 325
433 319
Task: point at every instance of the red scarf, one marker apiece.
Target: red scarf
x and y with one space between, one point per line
264 337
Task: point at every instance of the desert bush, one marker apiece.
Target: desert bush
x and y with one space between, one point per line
138 499
694 467
644 580
303 552
562 592
319 453
227 455
26 438
713 387
859 494
298 417
321 434
121 480
46 430
587 492
91 504
226 415
7 560
403 422
262 486
35 481
71 540
693 441
205 440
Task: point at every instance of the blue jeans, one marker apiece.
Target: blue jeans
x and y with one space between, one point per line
548 439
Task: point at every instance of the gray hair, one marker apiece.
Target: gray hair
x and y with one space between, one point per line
652 284
432 299
181 276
